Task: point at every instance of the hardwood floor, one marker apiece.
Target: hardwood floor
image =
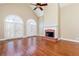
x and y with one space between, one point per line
38 46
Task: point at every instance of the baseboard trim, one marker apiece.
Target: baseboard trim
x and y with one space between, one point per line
14 38
11 38
69 40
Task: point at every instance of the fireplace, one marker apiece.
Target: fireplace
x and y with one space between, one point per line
50 33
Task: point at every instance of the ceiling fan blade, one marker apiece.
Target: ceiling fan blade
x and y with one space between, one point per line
34 4
45 4
38 4
42 4
41 8
35 8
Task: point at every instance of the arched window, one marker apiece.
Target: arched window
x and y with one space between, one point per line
14 26
31 28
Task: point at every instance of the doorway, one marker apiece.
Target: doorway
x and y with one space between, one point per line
31 27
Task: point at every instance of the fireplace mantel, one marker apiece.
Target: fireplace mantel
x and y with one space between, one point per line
49 30
52 29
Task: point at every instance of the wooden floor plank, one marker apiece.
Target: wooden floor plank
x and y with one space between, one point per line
38 46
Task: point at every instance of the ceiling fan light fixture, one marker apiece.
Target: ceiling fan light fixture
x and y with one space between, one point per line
39 5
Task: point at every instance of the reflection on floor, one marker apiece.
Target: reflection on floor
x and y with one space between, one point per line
38 46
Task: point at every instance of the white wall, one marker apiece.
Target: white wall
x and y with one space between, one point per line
51 17
41 26
21 10
69 22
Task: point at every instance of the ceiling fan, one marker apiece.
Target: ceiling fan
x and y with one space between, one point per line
39 5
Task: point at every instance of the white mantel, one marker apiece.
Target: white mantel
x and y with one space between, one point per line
53 28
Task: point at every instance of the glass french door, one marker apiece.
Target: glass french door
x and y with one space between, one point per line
13 30
9 30
13 27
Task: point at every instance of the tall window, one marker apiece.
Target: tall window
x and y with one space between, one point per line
13 27
31 27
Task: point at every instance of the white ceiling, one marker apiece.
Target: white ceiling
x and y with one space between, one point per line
39 13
